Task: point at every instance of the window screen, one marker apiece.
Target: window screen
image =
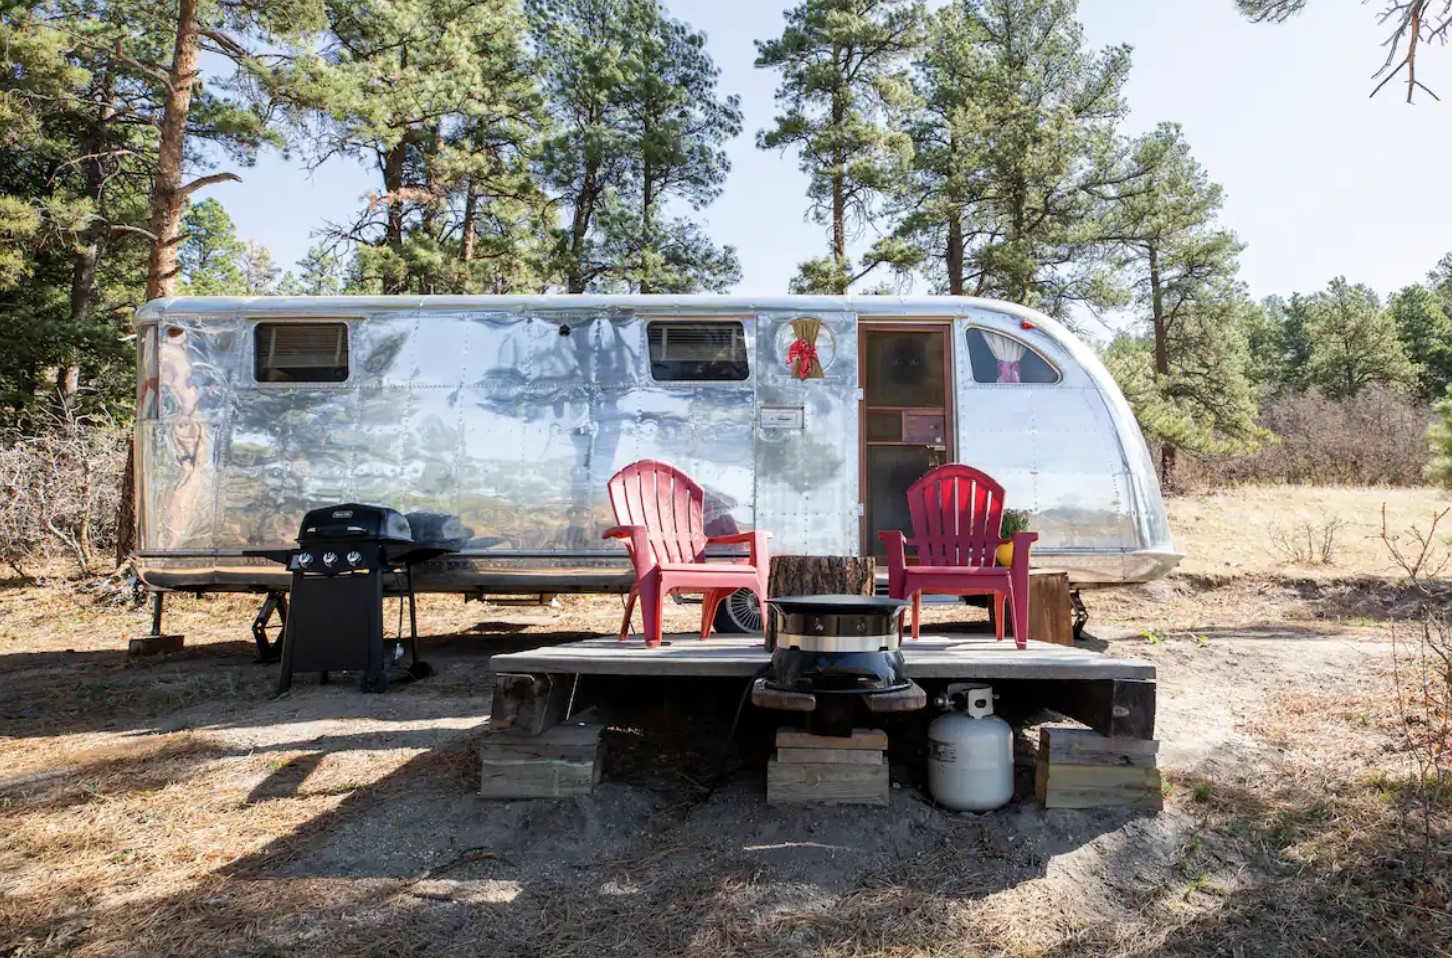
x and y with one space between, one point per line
997 358
683 352
301 353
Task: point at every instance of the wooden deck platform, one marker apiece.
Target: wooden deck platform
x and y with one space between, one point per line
957 657
1115 697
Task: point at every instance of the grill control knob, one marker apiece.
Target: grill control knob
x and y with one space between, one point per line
330 558
305 559
355 557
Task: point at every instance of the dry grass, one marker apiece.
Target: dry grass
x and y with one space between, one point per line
174 808
1232 532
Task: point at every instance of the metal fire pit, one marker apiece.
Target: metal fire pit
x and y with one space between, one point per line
831 654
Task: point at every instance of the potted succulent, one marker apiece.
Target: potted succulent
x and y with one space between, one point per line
1014 520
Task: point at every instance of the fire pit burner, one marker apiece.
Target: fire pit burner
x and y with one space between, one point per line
830 653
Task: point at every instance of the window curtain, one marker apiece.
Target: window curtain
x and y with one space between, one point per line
805 330
1009 353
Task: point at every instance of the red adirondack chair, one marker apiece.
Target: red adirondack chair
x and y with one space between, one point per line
660 510
957 513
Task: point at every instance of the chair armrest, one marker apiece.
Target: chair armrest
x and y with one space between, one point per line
1021 542
896 544
621 532
757 540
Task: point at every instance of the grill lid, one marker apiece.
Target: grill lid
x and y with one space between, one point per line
352 520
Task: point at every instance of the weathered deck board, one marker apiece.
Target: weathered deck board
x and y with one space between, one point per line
930 657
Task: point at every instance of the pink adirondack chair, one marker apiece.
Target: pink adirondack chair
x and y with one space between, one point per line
660 511
957 512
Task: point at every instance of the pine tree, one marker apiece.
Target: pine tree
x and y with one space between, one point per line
1353 342
1182 268
320 273
638 125
437 94
1439 470
210 260
1017 157
844 79
259 275
1424 327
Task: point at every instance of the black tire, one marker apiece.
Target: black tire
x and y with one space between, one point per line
420 670
739 614
375 682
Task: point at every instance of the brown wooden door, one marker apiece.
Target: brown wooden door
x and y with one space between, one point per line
907 426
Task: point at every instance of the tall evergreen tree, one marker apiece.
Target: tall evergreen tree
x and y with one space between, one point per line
210 260
1353 342
1425 328
1017 157
844 78
1182 268
437 94
638 125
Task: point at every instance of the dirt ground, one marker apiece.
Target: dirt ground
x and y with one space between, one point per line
175 807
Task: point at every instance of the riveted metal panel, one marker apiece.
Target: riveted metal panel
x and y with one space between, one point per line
807 478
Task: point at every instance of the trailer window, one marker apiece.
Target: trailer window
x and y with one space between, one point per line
696 352
997 358
301 352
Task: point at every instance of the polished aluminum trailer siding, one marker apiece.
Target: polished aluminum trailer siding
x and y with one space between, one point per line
511 413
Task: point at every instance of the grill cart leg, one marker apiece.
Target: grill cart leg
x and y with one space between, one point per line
1080 613
419 670
157 642
267 651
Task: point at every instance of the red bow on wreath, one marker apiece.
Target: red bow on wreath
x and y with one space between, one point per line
801 357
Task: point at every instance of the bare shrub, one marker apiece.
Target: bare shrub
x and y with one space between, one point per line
1422 672
1378 438
1313 542
60 492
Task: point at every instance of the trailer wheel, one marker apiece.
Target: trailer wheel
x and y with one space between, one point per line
740 614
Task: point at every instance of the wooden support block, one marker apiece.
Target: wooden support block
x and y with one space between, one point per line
529 704
537 778
861 738
1098 786
822 575
560 762
829 756
828 783
1115 708
1051 617
154 645
1080 746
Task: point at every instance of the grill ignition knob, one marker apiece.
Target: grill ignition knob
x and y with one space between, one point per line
330 558
305 559
355 557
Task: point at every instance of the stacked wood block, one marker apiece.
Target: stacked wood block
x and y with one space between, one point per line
1079 768
563 761
809 769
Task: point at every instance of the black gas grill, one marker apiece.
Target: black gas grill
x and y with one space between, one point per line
347 557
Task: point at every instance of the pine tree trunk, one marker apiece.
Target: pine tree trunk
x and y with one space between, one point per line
167 193
579 231
955 253
1168 452
395 279
470 224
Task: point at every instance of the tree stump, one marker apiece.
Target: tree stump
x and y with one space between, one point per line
1051 617
822 575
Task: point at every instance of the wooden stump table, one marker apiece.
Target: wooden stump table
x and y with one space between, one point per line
822 575
1051 616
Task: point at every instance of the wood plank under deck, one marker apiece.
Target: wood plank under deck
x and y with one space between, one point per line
930 657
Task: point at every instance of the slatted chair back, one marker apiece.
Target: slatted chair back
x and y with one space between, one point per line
668 503
957 514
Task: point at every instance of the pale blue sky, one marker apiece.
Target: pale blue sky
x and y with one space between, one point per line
1320 180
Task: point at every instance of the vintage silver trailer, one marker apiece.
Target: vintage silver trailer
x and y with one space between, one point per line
500 419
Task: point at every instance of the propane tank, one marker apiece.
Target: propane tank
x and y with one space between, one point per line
970 752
